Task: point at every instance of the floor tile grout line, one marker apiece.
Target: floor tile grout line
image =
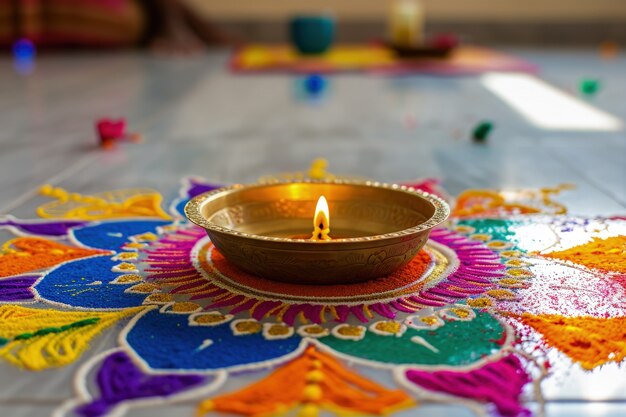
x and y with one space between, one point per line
563 161
25 197
585 177
78 165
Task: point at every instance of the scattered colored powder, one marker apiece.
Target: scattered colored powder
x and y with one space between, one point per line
493 203
589 341
607 255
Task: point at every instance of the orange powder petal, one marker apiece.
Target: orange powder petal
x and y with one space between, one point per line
292 385
589 341
603 254
27 254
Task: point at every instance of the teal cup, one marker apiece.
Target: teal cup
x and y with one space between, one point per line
312 34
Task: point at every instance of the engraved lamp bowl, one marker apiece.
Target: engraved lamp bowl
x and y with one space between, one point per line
265 229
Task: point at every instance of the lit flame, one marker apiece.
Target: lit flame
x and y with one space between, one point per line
321 220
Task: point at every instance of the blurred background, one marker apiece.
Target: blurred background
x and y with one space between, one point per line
556 22
131 22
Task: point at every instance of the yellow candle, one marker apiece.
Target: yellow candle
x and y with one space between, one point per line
321 221
406 23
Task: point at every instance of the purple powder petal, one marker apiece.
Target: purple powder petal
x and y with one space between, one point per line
197 187
47 228
17 288
119 380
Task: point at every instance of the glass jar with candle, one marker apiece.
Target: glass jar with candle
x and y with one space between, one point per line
406 23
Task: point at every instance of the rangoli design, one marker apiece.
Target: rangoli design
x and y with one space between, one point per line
473 319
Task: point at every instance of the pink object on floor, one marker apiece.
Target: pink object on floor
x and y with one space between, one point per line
110 130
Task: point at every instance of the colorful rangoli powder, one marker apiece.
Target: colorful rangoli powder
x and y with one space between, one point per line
38 339
312 381
25 254
119 380
499 383
603 254
590 341
441 326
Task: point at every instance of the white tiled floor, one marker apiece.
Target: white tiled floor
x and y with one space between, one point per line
198 119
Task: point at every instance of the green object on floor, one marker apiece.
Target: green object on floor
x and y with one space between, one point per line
589 86
481 132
